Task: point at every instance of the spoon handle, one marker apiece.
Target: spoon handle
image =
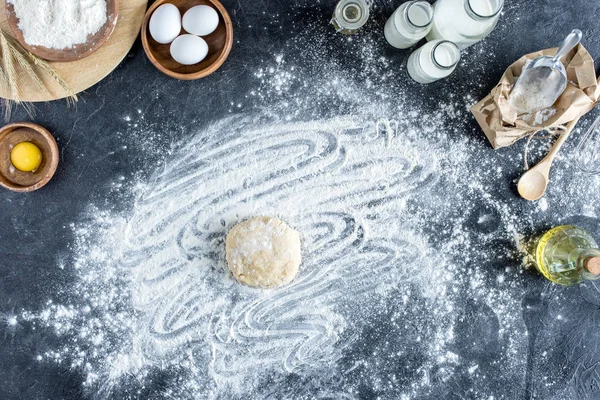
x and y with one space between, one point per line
561 140
567 45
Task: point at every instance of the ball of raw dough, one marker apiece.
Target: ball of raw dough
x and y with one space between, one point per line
263 252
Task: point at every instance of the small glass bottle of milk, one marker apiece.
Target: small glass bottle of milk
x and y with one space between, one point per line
350 15
464 22
410 23
433 61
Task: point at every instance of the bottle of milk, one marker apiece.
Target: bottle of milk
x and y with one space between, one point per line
410 23
433 61
464 22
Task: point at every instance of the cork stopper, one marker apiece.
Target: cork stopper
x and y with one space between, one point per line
592 264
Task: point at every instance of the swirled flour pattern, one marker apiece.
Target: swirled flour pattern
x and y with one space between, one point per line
155 299
183 283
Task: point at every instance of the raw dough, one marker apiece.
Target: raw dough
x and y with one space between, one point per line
263 252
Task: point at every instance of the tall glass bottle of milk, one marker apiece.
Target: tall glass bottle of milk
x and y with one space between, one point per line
410 23
464 22
433 61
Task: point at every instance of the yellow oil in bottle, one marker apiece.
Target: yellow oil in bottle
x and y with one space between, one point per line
567 255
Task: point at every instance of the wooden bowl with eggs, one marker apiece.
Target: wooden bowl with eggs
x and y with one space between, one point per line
44 144
219 42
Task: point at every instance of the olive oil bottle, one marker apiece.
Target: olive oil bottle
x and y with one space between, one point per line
568 255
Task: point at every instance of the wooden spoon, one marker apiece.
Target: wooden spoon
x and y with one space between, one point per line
534 182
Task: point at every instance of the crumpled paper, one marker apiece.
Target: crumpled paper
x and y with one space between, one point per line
499 120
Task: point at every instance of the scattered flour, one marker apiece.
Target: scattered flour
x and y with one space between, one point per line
409 282
155 293
59 24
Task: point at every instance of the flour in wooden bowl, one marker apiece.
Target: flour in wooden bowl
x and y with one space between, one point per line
59 24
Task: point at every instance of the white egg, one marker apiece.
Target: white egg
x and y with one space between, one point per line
200 20
189 49
165 23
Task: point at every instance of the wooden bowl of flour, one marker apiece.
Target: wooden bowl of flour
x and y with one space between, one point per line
76 52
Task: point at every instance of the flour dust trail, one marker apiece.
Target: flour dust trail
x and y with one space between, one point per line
154 294
322 180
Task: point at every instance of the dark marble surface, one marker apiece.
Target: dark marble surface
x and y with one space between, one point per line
35 233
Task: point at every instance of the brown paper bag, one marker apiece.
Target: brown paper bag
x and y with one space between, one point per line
502 125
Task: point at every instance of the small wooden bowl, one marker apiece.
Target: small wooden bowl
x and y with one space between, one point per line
78 51
219 43
19 181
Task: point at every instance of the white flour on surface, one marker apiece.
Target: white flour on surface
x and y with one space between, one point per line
408 281
394 257
59 24
155 292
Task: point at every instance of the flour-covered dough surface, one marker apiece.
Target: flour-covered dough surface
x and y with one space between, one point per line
263 252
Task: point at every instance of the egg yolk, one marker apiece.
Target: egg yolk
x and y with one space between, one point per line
26 157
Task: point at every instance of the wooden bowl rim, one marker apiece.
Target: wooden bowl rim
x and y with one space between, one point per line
63 55
53 156
194 75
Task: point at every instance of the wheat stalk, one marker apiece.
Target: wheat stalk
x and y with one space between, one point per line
33 67
9 68
49 69
10 79
6 103
25 64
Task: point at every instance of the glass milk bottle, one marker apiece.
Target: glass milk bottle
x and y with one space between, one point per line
464 22
432 61
350 15
410 23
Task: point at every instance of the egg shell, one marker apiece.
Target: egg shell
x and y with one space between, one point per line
189 49
200 20
165 23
